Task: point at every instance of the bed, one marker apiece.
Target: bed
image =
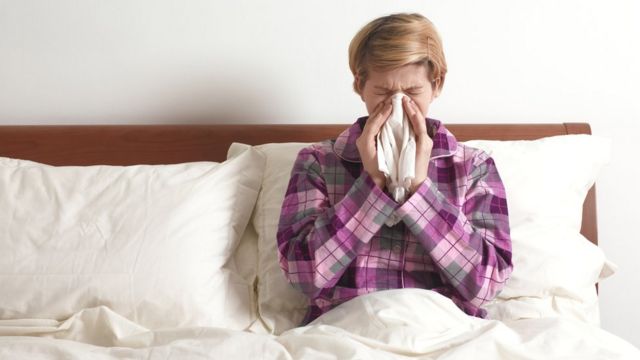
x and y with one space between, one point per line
158 241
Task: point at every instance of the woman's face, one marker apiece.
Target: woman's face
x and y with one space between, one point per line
410 79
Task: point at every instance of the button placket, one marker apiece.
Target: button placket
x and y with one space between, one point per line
401 248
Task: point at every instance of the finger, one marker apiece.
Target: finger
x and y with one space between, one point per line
383 114
410 108
415 116
377 110
373 124
366 134
379 120
373 114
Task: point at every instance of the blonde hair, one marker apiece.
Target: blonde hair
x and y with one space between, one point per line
396 40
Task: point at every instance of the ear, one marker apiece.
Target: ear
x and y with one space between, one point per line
358 86
436 90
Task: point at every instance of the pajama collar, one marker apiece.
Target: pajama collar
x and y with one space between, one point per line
444 142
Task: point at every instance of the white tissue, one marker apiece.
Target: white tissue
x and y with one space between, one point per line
396 147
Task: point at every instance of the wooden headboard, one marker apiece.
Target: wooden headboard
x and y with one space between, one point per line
167 144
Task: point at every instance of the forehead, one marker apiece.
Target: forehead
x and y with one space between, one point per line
408 75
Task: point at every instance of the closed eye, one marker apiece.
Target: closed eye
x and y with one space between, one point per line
409 91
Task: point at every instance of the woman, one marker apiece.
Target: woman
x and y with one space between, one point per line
453 234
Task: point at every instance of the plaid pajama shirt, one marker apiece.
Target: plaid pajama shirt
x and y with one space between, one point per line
453 236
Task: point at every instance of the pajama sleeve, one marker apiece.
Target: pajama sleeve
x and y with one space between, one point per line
318 240
469 243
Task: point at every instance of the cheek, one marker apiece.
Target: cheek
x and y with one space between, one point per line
372 101
370 107
424 107
423 103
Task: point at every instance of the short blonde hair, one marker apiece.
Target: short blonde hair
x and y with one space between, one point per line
396 40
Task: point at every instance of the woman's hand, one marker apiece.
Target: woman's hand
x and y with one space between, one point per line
366 142
424 143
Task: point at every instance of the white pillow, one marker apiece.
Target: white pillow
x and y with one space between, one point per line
555 267
550 256
149 242
245 261
280 306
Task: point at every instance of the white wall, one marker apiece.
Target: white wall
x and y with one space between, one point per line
160 61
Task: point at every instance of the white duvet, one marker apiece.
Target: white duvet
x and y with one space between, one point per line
393 324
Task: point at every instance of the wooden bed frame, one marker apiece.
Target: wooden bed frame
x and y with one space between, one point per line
167 144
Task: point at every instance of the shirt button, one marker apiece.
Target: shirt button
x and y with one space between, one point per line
396 248
393 218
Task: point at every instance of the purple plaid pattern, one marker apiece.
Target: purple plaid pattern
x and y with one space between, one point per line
453 237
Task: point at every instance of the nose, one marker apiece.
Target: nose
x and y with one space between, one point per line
395 98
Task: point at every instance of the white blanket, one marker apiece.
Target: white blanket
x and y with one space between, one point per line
393 324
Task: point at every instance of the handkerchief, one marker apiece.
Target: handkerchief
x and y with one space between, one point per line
396 147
